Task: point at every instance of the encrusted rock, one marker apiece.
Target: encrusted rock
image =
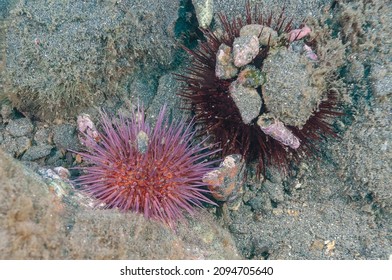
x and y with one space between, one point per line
251 77
245 49
247 100
225 182
288 92
267 36
225 68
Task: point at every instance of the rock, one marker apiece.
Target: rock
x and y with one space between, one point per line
247 100
204 11
15 146
288 92
37 152
225 183
245 49
278 131
225 68
57 158
64 136
19 127
267 36
86 126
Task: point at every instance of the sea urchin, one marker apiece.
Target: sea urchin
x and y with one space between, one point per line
256 87
154 171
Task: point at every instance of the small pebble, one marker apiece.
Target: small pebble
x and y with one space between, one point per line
43 135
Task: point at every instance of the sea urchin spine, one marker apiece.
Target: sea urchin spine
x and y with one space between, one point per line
155 171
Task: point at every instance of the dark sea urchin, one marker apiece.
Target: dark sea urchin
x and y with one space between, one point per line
154 171
252 88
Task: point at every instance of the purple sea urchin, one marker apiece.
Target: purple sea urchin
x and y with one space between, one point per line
155 171
238 90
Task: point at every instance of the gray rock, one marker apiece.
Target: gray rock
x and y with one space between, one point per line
37 152
247 100
288 92
65 137
20 127
15 146
142 142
